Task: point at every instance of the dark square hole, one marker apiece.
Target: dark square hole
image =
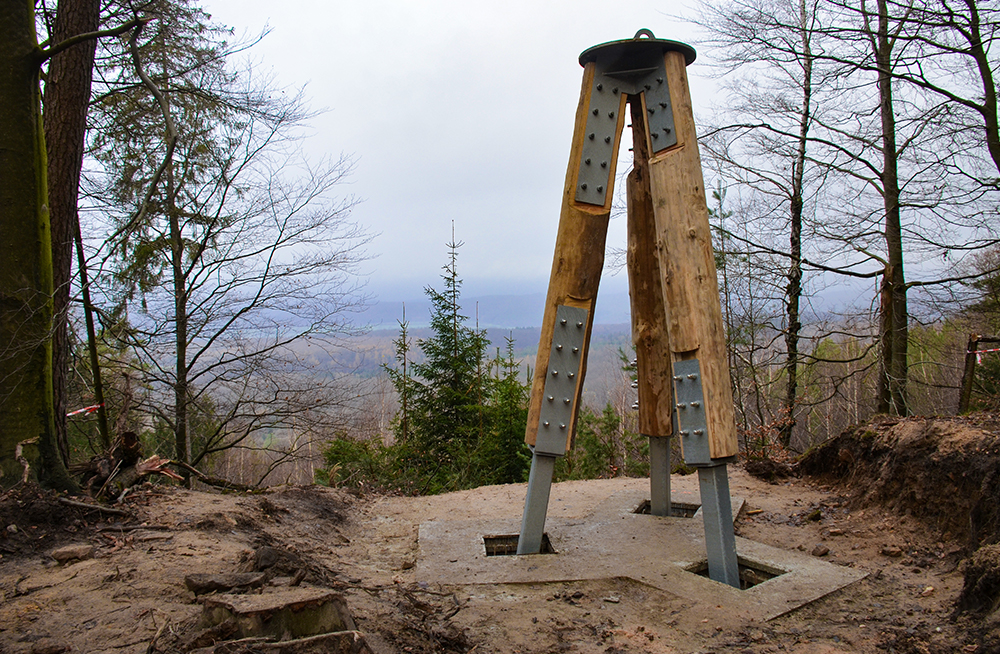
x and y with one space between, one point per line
751 572
507 545
677 509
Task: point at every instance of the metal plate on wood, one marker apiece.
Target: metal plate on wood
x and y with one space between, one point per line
599 141
691 413
561 381
630 70
659 111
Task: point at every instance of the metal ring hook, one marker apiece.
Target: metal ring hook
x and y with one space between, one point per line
643 32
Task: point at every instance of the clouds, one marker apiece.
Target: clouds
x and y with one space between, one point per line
455 110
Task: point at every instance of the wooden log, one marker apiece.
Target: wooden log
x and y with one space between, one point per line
650 333
577 264
687 263
968 374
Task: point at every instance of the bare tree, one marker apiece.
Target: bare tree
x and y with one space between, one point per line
828 120
235 276
761 141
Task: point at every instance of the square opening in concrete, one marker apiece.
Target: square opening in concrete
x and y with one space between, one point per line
751 572
677 509
506 545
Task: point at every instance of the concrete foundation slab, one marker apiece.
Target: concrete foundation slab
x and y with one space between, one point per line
614 541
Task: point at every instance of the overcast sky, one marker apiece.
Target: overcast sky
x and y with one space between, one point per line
455 110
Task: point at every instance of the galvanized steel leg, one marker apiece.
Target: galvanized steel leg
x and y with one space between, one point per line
659 475
536 504
720 539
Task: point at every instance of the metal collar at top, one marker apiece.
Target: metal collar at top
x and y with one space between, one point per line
637 49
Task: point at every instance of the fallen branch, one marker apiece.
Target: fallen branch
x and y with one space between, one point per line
21 458
355 636
159 632
213 481
95 507
125 528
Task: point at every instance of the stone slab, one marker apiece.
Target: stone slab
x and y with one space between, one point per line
614 541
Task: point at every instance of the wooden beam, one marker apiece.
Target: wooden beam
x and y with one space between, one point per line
577 264
687 263
650 332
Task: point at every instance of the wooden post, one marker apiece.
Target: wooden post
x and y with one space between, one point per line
650 332
968 374
649 318
687 264
577 264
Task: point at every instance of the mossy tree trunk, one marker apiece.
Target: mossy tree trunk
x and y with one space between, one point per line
67 97
26 265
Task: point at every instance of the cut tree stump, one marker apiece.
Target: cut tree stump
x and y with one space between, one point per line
283 613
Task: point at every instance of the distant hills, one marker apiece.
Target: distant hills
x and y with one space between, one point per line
491 311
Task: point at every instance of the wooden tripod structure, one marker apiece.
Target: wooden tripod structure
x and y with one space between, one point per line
677 322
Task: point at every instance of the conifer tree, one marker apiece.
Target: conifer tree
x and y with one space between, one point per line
462 415
445 392
502 456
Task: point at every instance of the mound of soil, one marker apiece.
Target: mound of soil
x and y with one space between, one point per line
942 471
32 518
981 592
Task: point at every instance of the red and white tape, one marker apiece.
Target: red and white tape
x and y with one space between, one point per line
86 409
979 353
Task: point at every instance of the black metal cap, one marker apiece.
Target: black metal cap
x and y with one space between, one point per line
637 49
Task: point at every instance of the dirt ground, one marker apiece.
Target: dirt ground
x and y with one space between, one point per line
129 595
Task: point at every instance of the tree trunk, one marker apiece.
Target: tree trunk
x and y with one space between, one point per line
182 441
67 96
794 288
894 316
26 266
978 52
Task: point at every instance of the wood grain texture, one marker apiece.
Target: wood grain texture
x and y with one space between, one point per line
650 333
687 263
577 263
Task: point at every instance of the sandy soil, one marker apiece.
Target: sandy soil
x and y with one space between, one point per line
130 595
